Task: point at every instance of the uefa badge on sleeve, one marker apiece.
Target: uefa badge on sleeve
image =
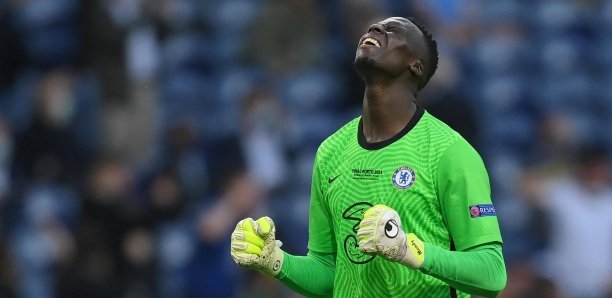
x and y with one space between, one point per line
482 210
403 177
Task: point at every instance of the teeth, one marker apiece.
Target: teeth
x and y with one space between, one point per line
372 41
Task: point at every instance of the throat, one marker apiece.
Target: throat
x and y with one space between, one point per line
386 113
379 128
374 135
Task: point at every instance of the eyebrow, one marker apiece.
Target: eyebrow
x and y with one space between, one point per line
393 23
402 28
400 25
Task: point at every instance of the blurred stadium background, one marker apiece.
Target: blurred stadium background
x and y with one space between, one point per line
135 133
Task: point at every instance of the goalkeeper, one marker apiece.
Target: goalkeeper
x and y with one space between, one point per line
400 203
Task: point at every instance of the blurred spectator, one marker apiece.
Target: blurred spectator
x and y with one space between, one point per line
281 50
49 150
525 282
104 45
578 209
557 142
581 222
43 241
12 58
6 154
99 233
8 274
239 199
262 138
137 272
167 197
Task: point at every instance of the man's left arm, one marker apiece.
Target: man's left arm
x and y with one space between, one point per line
477 265
479 270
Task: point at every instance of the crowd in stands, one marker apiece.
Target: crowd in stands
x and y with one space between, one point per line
134 134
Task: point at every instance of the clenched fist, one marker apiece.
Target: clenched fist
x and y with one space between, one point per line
380 233
253 246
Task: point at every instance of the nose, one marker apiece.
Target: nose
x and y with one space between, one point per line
376 28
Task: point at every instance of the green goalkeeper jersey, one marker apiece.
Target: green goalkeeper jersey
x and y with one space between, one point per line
434 179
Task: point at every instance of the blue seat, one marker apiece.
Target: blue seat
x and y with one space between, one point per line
311 90
553 16
189 51
50 31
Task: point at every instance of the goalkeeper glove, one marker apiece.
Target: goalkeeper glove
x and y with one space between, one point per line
380 233
253 246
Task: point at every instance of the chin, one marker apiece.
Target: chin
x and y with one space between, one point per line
362 59
365 65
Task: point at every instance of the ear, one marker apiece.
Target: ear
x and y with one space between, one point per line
416 67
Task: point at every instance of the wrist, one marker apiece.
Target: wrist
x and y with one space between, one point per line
430 257
285 263
275 264
415 252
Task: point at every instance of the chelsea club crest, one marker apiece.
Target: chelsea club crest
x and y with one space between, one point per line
403 177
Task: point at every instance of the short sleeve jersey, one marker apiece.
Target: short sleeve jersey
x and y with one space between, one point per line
428 173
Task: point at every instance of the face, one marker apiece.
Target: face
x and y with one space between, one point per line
393 46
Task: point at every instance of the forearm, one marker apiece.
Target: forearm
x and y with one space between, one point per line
479 270
311 275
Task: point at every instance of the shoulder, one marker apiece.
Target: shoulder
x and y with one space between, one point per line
449 148
438 131
334 145
338 140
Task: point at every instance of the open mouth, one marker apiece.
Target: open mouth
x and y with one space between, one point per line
371 41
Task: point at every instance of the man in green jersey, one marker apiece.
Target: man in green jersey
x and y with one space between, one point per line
400 203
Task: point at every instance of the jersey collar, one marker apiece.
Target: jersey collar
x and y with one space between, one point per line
382 144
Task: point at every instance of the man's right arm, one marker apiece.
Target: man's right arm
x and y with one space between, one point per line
254 246
311 275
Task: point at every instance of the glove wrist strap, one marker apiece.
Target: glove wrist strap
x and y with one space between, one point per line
274 266
415 252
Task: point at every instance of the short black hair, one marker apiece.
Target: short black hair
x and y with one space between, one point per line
432 50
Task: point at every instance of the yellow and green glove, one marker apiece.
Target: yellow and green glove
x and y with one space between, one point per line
380 233
253 246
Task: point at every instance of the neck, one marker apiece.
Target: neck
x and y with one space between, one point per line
387 109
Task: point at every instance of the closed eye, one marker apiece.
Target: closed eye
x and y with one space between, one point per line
393 27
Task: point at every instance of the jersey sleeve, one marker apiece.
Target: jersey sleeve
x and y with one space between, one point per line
465 197
320 226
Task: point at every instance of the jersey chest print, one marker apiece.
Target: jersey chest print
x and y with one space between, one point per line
354 213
